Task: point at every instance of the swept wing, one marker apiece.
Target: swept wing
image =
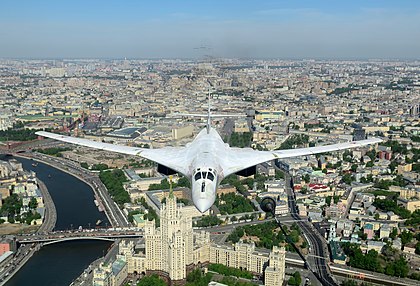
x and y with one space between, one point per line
231 160
171 157
238 159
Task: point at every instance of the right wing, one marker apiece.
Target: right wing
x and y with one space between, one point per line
171 157
238 159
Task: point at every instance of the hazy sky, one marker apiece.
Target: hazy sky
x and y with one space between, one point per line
229 28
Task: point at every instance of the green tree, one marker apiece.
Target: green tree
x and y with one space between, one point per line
347 178
347 156
393 166
197 278
328 200
131 214
349 283
53 151
393 233
294 141
33 203
18 135
206 221
152 280
279 175
406 237
397 268
113 181
418 247
164 185
224 270
233 204
100 167
240 139
84 165
11 206
184 182
295 279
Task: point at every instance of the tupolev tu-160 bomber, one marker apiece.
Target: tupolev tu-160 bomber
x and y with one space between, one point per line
207 159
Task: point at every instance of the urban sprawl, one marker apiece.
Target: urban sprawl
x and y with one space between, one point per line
362 205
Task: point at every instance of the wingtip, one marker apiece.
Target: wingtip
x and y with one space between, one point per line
42 133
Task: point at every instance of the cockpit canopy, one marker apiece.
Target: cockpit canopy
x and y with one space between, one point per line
204 174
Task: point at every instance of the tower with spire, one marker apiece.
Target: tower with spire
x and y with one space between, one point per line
170 247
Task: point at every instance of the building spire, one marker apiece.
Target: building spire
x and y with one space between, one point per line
171 192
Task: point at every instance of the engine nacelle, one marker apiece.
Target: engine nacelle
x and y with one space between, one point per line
247 172
165 170
268 205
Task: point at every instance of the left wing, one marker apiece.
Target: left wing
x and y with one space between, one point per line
171 157
238 159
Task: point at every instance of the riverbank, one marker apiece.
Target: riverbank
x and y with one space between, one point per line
50 215
59 264
26 252
19 263
82 177
86 277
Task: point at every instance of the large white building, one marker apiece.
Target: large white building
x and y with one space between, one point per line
173 249
5 122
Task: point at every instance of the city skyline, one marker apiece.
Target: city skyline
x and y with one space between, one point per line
186 29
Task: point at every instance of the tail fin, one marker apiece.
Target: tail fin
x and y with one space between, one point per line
209 115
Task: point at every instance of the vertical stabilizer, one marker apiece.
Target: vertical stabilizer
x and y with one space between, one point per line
208 115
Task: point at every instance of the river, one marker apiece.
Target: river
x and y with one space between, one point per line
61 263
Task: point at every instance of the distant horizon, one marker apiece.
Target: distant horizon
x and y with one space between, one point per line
316 29
209 60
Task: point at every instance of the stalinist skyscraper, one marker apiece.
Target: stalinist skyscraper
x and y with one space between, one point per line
170 248
173 249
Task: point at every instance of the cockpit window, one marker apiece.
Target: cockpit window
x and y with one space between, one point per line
197 176
204 175
210 176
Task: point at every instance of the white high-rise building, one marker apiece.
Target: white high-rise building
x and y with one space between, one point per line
274 273
173 249
170 247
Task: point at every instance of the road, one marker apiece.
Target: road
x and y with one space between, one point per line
21 256
318 257
50 216
230 227
228 127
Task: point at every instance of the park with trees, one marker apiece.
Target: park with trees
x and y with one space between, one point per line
113 181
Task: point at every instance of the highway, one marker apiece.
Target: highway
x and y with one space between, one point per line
319 257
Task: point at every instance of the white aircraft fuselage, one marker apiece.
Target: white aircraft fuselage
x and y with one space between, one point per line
205 170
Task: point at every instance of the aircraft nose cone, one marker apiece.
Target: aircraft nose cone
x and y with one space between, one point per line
203 204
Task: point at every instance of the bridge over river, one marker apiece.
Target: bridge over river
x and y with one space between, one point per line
98 234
